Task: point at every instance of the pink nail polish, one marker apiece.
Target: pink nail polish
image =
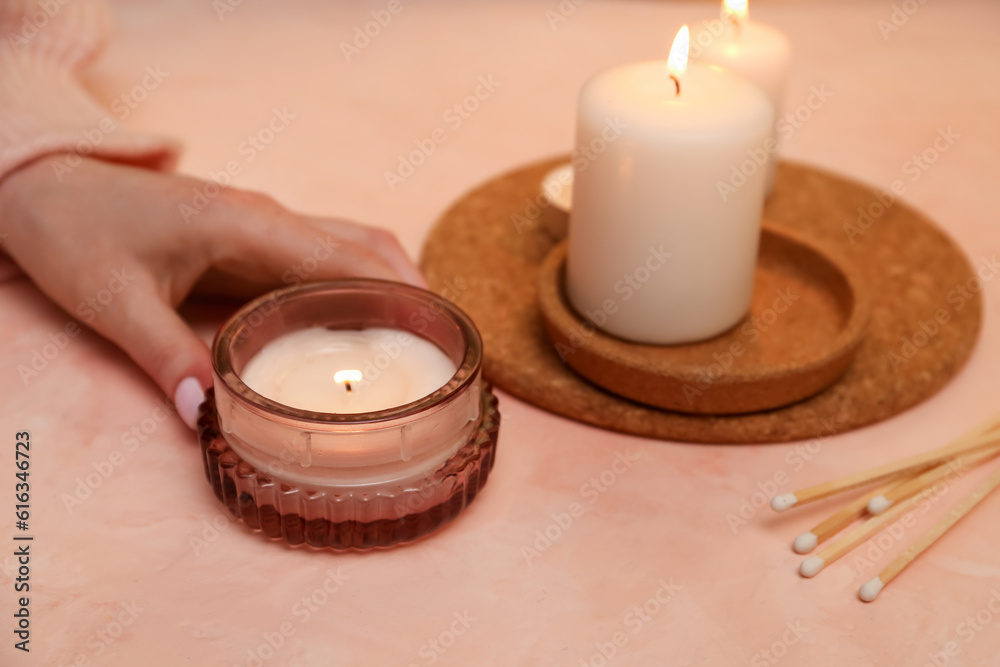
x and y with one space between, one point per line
188 396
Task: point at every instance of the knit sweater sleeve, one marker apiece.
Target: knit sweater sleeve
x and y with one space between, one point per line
44 109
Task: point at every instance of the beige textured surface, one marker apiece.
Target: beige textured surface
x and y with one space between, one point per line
153 535
494 241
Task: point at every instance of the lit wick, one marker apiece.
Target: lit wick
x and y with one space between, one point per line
735 12
734 21
677 61
346 377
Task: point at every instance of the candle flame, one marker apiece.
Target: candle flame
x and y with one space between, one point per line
678 60
347 377
735 10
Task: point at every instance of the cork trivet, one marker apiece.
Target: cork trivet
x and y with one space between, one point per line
809 314
486 251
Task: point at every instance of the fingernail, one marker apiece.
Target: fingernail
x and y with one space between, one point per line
188 397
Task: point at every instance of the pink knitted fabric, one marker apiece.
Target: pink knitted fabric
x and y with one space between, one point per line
43 107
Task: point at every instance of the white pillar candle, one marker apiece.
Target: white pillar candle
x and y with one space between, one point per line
347 371
656 255
755 50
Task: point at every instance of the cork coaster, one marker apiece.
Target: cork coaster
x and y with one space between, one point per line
486 251
808 316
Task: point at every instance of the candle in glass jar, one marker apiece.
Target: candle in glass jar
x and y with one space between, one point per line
347 371
758 51
657 253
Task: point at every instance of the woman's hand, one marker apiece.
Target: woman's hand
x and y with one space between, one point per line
114 229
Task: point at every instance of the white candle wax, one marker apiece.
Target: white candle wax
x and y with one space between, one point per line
755 50
656 253
347 371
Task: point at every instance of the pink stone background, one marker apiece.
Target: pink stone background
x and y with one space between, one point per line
664 518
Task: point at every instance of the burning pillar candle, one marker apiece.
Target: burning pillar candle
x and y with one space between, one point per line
657 253
755 50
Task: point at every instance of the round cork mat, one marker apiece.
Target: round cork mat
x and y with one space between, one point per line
486 251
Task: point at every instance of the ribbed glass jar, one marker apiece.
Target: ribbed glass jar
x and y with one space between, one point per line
357 480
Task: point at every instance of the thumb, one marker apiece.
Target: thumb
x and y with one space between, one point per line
151 332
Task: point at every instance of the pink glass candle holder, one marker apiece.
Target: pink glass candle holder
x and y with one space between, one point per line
353 480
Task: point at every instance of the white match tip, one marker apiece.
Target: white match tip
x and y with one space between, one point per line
805 543
811 566
870 589
783 502
879 504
